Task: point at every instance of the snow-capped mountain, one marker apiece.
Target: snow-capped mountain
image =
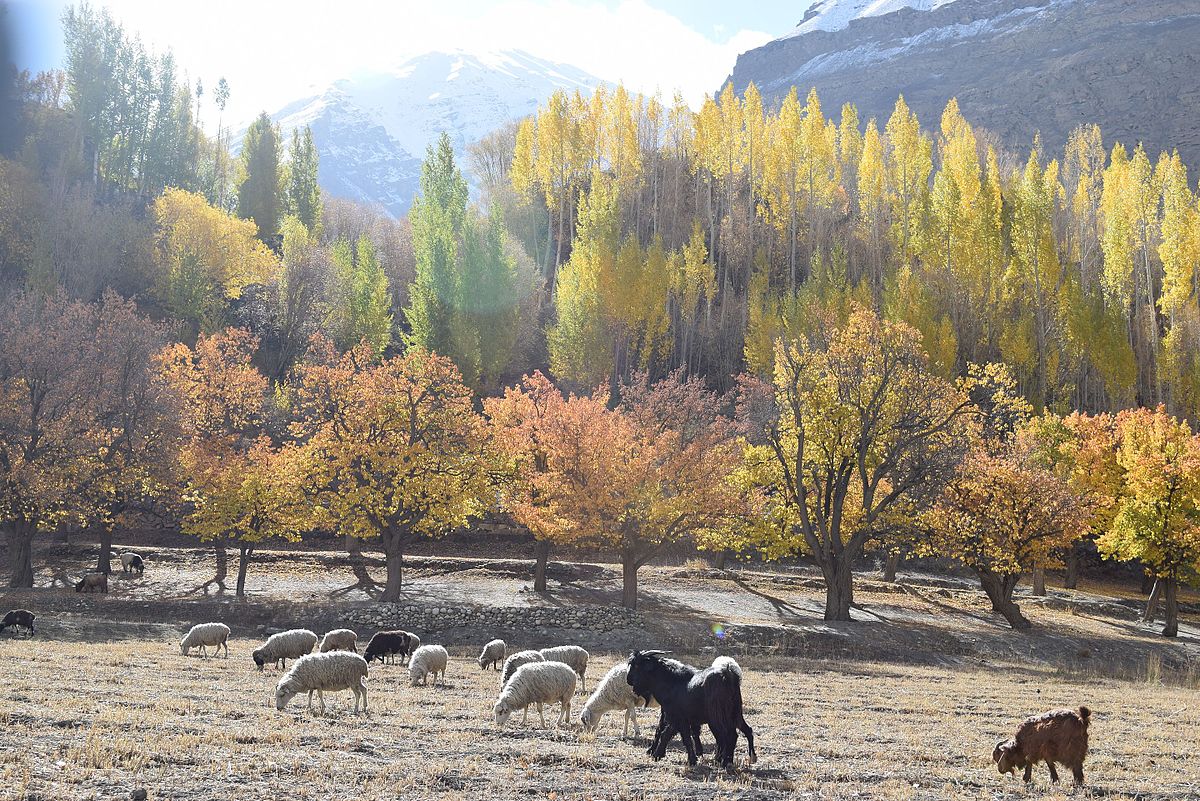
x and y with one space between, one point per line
1016 66
371 130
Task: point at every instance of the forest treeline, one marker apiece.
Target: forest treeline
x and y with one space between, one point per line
760 330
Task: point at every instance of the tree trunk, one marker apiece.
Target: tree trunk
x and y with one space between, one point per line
999 590
222 565
839 588
1152 602
20 553
891 566
539 568
393 551
245 551
1039 581
1171 629
721 557
104 563
629 581
1071 580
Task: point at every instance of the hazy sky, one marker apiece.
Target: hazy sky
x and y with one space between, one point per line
275 52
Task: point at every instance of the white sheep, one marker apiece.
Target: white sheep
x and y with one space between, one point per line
493 653
339 640
336 670
132 561
571 655
425 660
279 648
515 661
611 694
537 683
206 634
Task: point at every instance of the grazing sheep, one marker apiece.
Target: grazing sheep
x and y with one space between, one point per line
285 645
332 671
611 694
537 683
92 582
1058 736
516 660
425 660
19 619
385 644
414 642
202 635
493 654
132 561
571 655
339 640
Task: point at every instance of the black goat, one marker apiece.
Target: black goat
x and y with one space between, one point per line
19 618
689 698
387 643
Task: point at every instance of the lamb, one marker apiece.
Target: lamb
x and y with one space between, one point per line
537 683
611 694
19 619
131 561
203 635
515 661
1060 735
571 655
493 654
339 640
285 645
335 670
384 644
92 582
425 660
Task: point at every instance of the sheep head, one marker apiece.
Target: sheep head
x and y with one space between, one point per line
1008 756
503 713
284 693
258 659
589 719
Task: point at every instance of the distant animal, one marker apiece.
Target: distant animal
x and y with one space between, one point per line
132 562
1060 735
537 683
493 654
571 655
611 694
19 619
331 671
279 648
387 644
92 582
205 635
426 661
339 640
690 697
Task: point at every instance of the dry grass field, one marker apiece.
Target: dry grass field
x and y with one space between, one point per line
84 721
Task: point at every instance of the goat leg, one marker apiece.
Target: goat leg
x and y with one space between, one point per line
1053 772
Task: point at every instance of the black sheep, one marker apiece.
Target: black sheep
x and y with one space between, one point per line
19 618
689 698
387 643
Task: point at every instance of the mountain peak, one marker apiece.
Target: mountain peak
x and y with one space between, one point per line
834 15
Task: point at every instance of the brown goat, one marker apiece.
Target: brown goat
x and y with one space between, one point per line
1058 736
92 582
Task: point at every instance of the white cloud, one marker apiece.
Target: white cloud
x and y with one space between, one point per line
275 52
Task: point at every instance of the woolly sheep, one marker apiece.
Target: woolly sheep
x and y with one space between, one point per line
515 661
493 654
202 635
425 660
285 645
537 683
132 561
339 640
332 671
611 694
1060 735
571 655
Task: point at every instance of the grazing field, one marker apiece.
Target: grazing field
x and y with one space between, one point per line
84 721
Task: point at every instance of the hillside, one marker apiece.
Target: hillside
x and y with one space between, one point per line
1016 66
371 130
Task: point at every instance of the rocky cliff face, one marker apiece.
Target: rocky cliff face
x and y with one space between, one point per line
1016 66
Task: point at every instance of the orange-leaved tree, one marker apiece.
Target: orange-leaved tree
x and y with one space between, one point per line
395 449
854 426
224 403
1157 519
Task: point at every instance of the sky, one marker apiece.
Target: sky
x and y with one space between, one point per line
275 51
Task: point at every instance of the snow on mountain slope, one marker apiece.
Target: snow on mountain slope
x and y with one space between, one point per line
372 130
834 15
